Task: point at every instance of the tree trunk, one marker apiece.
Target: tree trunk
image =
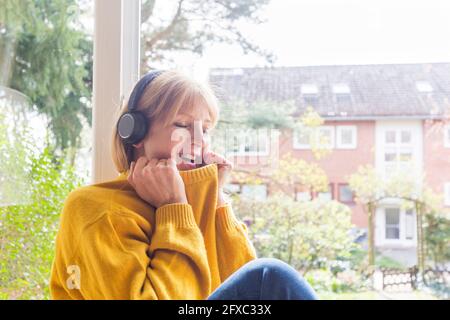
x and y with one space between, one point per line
7 58
370 234
420 240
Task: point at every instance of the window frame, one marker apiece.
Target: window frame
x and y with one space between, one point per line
241 151
330 191
300 146
447 136
340 144
447 194
339 194
398 225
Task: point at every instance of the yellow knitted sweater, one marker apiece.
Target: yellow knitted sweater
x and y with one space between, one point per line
113 245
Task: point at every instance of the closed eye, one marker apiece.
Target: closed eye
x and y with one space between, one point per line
182 125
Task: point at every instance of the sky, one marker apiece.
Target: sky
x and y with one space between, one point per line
327 32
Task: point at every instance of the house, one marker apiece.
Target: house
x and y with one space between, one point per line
390 116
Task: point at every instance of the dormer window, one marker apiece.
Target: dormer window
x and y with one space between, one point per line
424 87
341 88
342 93
309 89
310 94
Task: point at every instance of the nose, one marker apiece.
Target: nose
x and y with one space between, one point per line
198 136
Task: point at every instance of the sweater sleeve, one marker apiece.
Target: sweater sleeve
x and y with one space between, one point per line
118 261
233 245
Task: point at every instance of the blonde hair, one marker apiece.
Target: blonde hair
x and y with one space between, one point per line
161 101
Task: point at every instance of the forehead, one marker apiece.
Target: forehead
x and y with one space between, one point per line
199 110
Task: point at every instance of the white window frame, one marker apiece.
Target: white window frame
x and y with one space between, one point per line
241 136
399 224
116 69
296 144
447 136
340 144
447 194
415 147
380 227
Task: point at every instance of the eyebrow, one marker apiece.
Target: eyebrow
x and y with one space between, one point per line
191 117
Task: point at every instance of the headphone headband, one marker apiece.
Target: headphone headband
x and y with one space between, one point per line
139 89
133 124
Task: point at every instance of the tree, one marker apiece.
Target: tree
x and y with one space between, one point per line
370 189
195 24
46 54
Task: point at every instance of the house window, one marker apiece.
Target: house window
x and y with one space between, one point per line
248 142
398 150
342 93
392 225
309 89
343 99
341 88
232 188
254 191
346 137
345 193
320 137
447 194
447 136
310 94
409 225
424 86
303 196
327 195
311 100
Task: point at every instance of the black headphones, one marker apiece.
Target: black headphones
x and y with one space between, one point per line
133 124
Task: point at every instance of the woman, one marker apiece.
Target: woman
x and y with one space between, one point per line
163 229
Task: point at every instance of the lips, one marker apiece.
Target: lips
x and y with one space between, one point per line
189 161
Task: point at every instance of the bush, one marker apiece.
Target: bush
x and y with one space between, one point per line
29 217
307 235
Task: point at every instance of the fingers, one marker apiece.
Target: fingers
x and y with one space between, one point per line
140 164
212 157
161 163
130 173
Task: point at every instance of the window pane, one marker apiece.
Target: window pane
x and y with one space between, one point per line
255 191
232 188
345 193
303 196
347 136
324 195
406 137
325 138
389 156
392 216
311 100
405 156
392 233
390 137
343 99
409 221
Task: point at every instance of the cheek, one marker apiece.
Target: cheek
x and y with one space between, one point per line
158 145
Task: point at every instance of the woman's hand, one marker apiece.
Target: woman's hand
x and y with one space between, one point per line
224 168
158 182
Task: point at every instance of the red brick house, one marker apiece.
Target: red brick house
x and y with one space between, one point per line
388 116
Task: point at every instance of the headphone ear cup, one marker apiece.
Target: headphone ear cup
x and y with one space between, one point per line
132 127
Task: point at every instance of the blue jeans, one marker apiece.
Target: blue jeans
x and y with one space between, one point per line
264 279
